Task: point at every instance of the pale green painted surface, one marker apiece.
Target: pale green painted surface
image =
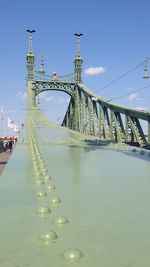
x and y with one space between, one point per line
104 194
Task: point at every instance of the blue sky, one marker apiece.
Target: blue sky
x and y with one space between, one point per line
116 39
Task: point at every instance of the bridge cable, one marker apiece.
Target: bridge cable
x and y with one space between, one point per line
121 76
118 97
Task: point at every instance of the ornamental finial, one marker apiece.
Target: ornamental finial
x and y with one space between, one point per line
30 40
78 43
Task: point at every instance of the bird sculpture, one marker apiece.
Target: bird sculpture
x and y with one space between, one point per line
30 31
78 34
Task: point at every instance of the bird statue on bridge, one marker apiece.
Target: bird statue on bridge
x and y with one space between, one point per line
78 34
30 31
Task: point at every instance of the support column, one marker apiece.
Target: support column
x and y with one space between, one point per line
95 117
30 59
90 111
83 113
126 129
100 122
78 61
71 115
77 115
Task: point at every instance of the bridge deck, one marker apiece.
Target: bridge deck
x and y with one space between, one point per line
104 192
4 157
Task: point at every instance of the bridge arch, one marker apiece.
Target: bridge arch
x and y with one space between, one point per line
40 86
53 103
53 89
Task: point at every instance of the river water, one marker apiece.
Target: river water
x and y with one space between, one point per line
104 192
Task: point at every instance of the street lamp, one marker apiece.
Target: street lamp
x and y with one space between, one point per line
146 75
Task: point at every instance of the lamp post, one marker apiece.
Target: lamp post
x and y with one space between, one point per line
146 75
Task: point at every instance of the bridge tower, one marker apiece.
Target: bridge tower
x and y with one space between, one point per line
30 59
78 61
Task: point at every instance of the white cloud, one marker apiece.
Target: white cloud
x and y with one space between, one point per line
21 95
2 107
133 96
24 96
61 100
42 95
49 99
10 111
6 110
94 70
57 100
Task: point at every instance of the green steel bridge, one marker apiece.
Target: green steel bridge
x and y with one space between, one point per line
87 112
76 194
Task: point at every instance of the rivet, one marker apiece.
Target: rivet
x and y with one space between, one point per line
47 177
43 210
73 254
35 161
40 158
45 171
61 220
41 165
38 172
41 194
39 182
38 176
36 168
49 236
55 200
50 187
